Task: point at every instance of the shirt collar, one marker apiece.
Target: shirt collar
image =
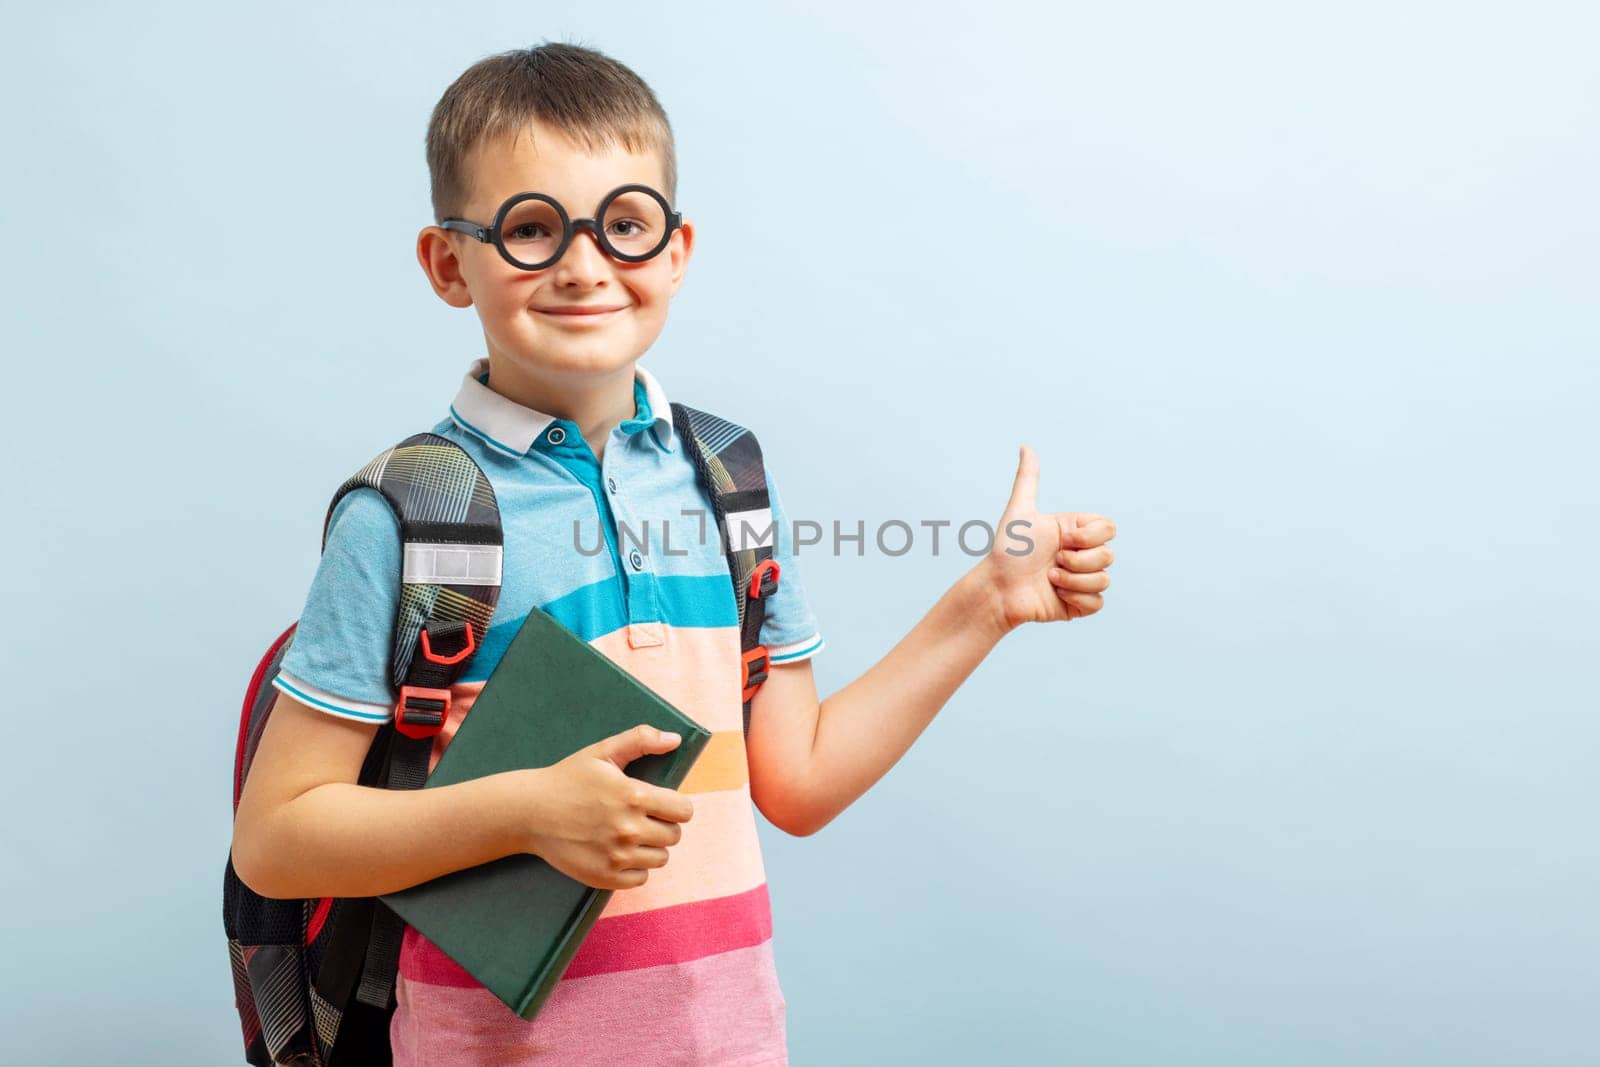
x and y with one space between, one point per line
512 428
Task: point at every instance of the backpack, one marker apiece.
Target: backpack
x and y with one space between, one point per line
313 979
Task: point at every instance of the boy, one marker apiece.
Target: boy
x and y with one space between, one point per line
577 441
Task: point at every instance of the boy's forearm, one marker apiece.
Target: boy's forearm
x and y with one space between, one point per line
864 728
346 840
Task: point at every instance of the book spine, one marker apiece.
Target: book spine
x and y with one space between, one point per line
545 980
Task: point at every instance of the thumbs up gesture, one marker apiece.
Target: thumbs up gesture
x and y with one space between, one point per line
1047 566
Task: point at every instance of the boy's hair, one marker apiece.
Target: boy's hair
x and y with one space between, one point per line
588 96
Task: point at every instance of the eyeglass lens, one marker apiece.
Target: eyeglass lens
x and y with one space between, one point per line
634 224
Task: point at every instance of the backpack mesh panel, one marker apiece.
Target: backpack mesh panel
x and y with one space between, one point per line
253 919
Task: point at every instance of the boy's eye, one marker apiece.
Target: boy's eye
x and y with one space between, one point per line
528 231
627 227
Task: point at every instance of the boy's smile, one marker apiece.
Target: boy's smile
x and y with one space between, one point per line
566 336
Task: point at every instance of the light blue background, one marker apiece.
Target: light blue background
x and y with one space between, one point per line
1303 296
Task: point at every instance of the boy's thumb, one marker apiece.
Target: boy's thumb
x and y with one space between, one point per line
642 740
1025 487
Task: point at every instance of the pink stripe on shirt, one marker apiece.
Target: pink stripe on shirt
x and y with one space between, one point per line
628 942
724 1010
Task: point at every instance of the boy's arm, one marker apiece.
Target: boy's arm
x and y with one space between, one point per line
305 829
809 760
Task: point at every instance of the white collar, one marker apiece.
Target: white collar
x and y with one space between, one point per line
513 428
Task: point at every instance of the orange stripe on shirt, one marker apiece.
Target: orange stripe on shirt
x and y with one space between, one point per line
722 764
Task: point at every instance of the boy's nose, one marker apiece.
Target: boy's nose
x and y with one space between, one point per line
583 263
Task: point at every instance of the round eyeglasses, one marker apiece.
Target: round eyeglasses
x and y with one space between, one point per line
531 230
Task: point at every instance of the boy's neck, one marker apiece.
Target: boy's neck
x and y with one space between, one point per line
597 404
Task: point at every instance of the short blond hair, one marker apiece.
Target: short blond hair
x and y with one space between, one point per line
588 96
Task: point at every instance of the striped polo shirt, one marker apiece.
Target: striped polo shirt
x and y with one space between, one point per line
624 552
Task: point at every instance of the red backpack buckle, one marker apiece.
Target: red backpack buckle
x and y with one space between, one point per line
760 586
421 711
750 679
467 648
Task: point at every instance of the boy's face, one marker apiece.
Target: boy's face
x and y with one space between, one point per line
522 311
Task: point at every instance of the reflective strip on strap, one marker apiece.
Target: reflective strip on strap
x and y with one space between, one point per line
750 529
427 563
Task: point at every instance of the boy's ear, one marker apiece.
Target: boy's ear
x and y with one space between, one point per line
678 252
437 252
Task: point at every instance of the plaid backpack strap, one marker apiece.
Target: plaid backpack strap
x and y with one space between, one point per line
450 538
451 550
727 460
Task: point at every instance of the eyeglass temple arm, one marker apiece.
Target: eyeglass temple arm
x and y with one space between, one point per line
471 229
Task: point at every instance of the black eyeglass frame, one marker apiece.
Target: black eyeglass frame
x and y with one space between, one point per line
491 234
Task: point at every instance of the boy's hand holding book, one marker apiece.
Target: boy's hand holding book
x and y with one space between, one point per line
592 822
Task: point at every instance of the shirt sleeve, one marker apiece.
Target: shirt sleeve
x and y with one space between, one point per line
339 659
790 628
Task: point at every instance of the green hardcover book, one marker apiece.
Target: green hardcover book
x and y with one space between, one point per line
515 923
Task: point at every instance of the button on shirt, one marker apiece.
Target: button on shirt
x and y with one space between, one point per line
624 552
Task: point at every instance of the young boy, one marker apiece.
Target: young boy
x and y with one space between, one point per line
578 443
